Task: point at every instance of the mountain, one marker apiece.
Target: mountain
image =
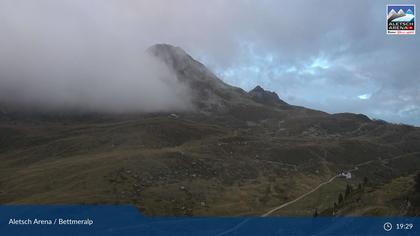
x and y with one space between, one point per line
392 13
401 12
210 94
260 95
409 11
235 153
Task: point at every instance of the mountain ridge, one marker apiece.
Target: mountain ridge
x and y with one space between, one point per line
210 93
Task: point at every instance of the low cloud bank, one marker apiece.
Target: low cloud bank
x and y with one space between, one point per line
80 55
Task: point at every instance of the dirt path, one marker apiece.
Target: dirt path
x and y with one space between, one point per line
356 167
313 190
300 197
279 207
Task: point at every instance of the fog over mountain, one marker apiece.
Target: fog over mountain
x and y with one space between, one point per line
56 55
89 53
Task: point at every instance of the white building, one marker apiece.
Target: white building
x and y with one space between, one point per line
346 175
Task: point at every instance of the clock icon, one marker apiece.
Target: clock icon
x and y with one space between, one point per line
387 226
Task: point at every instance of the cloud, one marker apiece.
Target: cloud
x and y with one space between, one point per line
81 55
364 96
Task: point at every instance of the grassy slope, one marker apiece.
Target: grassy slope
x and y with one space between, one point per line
189 166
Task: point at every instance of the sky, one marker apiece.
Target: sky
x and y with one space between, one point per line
329 55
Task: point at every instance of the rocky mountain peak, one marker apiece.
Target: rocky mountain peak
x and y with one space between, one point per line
260 95
209 93
173 56
257 89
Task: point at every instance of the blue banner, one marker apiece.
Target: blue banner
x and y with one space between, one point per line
127 220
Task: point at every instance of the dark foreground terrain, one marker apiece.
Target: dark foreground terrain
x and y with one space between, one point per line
236 153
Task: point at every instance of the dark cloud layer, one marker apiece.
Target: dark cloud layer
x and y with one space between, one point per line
324 54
